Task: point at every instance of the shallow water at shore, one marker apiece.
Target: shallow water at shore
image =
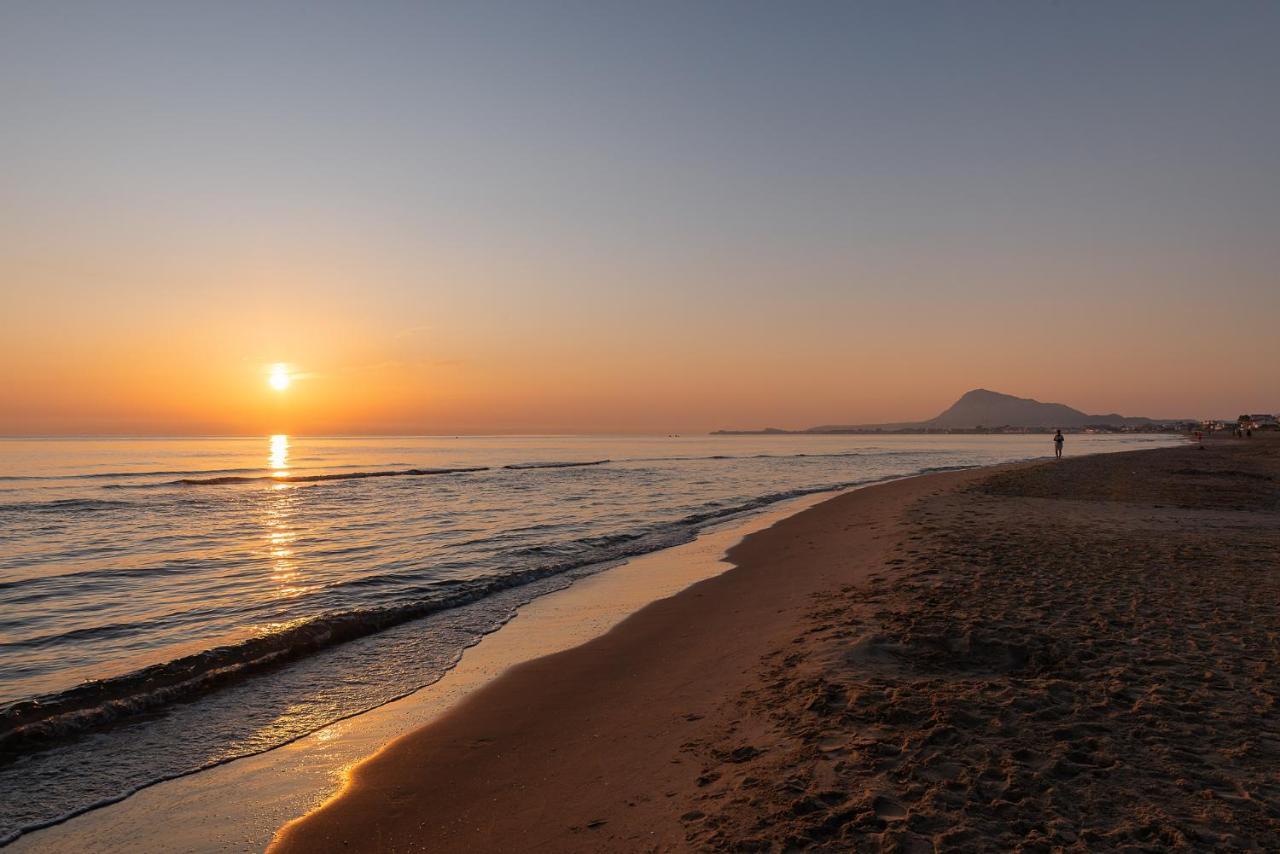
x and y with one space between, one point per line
335 573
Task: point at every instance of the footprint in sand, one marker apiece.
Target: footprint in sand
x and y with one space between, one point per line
888 809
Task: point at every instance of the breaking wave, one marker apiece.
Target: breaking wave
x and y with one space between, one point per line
556 465
319 478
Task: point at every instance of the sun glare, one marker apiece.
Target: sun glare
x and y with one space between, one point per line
279 378
278 457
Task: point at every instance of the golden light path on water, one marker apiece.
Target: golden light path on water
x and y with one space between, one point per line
278 455
280 531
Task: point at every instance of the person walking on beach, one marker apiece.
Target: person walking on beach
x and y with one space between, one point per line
1058 439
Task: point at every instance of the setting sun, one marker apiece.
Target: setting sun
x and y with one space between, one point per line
960 318
279 378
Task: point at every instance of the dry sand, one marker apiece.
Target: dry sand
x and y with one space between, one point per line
1074 656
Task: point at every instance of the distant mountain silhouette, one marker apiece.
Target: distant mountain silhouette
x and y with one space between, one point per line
993 409
984 408
989 410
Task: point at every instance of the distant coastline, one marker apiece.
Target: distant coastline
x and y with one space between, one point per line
985 412
1170 427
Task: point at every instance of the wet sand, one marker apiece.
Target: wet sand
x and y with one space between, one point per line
1079 655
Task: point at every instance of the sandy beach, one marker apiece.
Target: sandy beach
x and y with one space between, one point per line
1078 655
472 427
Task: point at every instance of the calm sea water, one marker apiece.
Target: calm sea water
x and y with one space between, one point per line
167 605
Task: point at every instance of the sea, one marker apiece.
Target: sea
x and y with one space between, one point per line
168 605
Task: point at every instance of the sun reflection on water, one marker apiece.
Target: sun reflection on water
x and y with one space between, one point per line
278 456
279 526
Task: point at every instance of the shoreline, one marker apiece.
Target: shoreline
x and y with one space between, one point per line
1064 655
545 691
219 792
243 801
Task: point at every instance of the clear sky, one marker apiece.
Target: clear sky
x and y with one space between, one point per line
597 216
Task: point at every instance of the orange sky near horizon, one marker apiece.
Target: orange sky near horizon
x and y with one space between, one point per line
651 218
479 358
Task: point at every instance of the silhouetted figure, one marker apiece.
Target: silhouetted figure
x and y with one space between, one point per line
1058 439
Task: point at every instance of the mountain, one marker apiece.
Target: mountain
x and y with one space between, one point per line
981 407
990 409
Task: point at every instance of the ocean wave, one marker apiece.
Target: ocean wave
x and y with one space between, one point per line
832 455
45 586
320 478
66 505
106 475
30 724
556 465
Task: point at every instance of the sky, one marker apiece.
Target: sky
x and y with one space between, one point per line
614 217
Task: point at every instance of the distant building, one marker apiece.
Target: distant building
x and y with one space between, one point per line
1259 421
